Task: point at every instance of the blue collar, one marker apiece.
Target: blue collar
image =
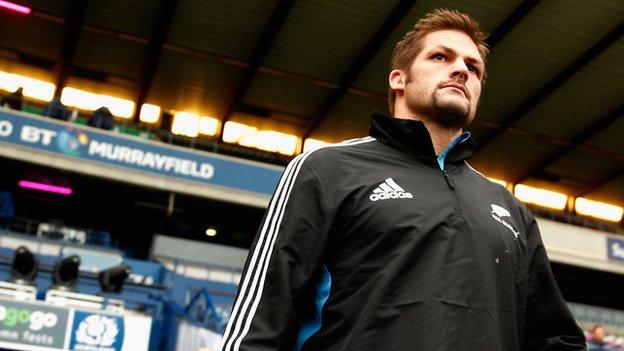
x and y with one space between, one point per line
458 140
413 138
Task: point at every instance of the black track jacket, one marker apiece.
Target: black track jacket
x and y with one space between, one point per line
377 244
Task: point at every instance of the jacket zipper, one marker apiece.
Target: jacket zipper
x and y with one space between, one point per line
449 181
451 185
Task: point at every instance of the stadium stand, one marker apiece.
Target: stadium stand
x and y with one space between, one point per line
167 297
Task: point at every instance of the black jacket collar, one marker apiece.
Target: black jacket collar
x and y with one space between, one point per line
412 137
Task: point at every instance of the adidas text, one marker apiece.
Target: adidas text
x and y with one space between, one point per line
390 195
389 189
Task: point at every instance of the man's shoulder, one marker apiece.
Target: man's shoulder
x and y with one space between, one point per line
331 158
335 151
501 191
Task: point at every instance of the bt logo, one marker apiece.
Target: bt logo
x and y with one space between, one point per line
69 142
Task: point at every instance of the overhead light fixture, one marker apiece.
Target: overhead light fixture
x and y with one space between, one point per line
211 231
91 101
268 140
208 125
313 144
24 267
32 88
540 197
113 279
185 123
149 113
234 132
15 7
598 209
65 273
272 141
49 188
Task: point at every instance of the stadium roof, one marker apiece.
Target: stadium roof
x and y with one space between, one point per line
551 114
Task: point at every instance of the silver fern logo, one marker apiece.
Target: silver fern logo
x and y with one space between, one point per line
498 212
97 330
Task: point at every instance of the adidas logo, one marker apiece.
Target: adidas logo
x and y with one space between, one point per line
389 190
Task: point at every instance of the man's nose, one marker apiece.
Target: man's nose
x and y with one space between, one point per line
460 71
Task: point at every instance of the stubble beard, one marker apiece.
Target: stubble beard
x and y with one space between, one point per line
449 114
444 112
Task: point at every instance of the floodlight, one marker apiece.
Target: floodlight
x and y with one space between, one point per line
149 113
24 267
185 123
91 101
268 140
113 279
65 273
210 231
598 209
540 197
33 88
208 125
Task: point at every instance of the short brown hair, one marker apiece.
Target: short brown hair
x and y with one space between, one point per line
406 50
595 327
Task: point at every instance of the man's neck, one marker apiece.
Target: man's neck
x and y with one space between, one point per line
440 137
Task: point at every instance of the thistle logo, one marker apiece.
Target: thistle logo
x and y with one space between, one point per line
69 142
499 212
97 331
617 251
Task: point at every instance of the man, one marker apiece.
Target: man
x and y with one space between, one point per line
101 118
15 100
56 109
392 242
597 343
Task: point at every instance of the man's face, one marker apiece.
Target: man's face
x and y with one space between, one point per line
598 334
444 80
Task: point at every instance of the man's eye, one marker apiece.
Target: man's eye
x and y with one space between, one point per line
439 57
473 69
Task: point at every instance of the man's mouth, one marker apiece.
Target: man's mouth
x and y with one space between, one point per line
456 87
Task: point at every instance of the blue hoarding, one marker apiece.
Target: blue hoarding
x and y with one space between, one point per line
35 325
130 152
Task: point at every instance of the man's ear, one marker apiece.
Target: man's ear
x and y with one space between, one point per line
396 80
